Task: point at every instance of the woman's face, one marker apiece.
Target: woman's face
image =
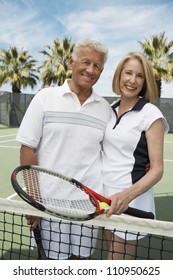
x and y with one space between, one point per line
132 78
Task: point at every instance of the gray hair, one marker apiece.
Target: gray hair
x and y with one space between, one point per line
95 45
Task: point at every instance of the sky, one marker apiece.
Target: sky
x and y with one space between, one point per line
118 24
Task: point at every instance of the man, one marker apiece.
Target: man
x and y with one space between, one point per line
63 130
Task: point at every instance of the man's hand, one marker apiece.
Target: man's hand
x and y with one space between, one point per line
33 221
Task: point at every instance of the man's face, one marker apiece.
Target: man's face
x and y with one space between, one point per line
87 67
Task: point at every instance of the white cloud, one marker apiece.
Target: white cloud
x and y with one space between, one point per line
120 27
21 26
115 20
118 24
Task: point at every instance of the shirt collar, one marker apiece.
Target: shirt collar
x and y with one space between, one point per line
138 106
93 97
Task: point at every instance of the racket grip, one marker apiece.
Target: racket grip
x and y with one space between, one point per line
139 213
38 240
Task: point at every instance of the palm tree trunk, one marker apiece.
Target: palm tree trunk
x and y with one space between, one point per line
159 85
15 89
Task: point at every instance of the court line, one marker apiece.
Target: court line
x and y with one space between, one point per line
10 140
12 147
7 146
9 135
15 194
11 196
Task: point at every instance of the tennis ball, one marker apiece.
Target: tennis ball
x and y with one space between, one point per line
103 205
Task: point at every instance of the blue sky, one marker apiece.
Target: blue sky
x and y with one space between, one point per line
119 25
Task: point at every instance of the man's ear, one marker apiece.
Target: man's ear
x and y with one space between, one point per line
70 62
102 70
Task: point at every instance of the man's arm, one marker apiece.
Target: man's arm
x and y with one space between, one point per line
28 156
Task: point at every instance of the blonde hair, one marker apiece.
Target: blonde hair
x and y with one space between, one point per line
150 89
95 45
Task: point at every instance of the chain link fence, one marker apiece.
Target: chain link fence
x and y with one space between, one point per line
13 108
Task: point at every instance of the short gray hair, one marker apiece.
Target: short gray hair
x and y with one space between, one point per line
95 45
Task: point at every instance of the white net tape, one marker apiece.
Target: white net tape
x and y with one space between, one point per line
123 222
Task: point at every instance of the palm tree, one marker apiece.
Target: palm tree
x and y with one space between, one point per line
55 67
159 52
18 69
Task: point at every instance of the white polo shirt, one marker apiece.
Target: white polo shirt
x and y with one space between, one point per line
126 154
125 146
67 135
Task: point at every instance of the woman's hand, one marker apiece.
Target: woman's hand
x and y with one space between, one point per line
119 203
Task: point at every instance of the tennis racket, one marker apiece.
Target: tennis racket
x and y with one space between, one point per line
61 196
38 240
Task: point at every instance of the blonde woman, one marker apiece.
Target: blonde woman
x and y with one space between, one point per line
134 138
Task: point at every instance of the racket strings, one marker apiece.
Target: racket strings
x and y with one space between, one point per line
30 181
56 193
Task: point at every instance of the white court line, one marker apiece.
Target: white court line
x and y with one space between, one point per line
6 141
14 194
12 147
10 140
11 196
2 146
9 135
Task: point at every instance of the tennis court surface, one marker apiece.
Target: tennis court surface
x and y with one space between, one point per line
15 234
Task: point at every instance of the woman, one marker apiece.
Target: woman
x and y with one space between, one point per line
134 138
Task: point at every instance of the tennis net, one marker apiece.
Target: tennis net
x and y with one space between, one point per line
15 234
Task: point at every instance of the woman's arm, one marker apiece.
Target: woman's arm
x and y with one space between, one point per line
155 141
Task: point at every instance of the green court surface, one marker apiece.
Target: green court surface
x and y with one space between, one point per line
164 189
9 159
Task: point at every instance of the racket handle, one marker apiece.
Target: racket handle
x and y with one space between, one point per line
37 236
139 213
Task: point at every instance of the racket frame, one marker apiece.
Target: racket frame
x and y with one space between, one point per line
95 197
30 200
